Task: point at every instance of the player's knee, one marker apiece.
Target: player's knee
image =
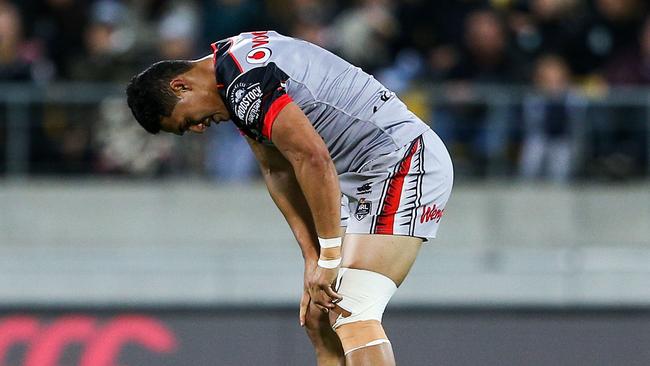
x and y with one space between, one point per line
365 296
358 335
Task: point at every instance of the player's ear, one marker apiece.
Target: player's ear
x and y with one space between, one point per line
179 84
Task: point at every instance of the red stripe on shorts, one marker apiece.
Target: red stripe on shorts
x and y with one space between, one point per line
386 217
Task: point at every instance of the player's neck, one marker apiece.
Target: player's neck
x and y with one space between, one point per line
204 66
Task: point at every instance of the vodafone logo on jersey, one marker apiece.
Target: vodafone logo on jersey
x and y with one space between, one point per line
258 55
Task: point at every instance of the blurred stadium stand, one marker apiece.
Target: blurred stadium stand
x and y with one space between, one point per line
551 90
543 257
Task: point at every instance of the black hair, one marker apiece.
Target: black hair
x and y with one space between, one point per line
149 95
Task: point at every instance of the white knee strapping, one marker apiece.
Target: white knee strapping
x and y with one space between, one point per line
365 295
369 344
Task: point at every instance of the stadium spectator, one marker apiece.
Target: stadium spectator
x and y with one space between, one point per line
106 49
19 59
546 26
608 30
177 32
486 55
632 66
309 20
60 24
550 116
476 132
363 34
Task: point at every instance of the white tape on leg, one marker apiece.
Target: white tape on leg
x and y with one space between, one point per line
365 295
373 343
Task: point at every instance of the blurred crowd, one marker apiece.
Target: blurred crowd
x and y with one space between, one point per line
434 54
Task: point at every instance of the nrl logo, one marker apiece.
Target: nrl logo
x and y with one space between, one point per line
363 209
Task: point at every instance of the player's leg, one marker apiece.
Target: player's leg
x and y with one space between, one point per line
383 239
327 345
372 269
317 325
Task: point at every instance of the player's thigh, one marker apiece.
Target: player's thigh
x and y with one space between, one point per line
390 255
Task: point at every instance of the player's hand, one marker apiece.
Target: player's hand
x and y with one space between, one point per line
304 305
310 266
321 289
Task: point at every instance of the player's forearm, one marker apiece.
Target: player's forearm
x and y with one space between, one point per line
285 191
288 197
301 146
319 183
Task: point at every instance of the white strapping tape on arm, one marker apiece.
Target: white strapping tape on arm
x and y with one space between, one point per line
329 243
329 264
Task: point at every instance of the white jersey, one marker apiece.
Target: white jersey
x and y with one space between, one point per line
394 172
359 119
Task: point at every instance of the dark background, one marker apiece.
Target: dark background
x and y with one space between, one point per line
422 336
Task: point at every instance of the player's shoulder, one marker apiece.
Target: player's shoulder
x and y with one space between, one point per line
258 48
259 39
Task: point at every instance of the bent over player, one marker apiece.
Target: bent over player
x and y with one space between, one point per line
336 149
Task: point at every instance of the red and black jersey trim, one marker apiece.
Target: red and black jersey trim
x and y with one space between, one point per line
254 98
227 67
272 113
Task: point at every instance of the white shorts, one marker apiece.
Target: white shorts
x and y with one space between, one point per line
401 193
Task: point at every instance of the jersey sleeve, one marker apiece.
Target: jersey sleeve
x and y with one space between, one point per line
255 98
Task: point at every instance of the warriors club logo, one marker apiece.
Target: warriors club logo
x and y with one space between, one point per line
432 213
102 341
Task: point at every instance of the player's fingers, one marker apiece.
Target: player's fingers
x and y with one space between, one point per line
304 304
329 291
322 302
321 307
326 301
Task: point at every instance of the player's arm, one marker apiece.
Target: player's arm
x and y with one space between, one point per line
286 193
297 140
